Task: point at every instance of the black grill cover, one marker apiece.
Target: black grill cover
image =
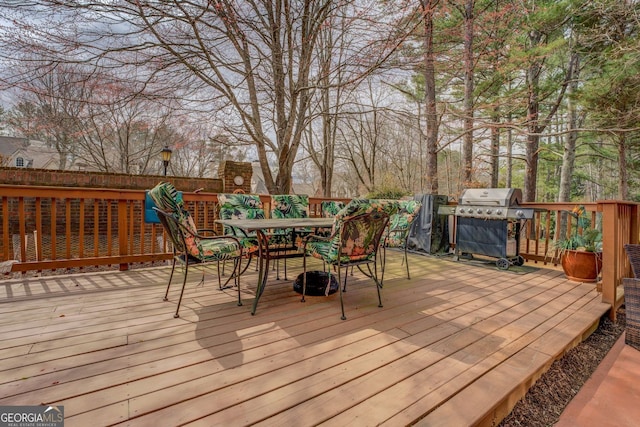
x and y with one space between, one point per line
430 231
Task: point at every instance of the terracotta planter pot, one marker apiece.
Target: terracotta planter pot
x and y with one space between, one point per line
581 266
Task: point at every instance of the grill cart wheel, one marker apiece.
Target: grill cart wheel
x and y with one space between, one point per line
503 264
519 261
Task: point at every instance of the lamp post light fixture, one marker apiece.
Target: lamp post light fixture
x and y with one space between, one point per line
166 158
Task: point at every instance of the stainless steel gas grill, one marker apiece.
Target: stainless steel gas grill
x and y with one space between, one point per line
488 222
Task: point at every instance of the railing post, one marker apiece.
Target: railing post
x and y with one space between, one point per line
620 225
123 246
634 226
611 252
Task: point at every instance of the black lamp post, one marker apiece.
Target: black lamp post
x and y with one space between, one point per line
166 158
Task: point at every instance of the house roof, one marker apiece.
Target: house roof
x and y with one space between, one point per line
36 154
10 145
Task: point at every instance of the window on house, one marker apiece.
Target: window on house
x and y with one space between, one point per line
19 162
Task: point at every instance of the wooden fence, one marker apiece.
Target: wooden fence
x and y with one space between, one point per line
50 228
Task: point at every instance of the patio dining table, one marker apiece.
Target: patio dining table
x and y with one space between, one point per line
263 228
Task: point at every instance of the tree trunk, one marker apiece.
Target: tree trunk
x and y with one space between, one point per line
467 141
509 153
430 98
623 184
533 139
495 147
569 153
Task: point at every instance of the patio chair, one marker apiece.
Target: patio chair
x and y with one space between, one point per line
241 206
633 253
190 245
632 297
354 241
330 208
246 206
400 225
288 206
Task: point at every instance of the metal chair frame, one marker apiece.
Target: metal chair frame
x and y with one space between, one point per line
402 230
378 221
178 233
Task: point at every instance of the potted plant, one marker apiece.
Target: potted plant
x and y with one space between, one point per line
581 252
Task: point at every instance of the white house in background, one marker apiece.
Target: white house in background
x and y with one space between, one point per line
26 153
257 179
259 187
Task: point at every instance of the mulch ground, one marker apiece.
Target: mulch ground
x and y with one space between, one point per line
545 401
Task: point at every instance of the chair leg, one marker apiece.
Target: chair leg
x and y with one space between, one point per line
242 270
378 283
304 276
383 263
184 283
346 272
237 264
235 274
202 278
173 267
406 260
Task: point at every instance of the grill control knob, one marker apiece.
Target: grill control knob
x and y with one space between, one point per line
479 210
519 213
499 212
489 211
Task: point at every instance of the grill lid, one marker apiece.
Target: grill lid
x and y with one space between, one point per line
492 203
502 197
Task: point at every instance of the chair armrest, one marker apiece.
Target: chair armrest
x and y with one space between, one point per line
238 232
200 236
207 230
225 237
310 237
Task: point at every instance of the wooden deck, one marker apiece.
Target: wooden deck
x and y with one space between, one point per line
456 345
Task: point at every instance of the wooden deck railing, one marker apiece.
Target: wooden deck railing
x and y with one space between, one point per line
49 228
618 221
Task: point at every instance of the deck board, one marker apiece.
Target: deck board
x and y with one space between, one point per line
107 347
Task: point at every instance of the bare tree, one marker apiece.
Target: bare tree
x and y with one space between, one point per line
428 11
321 135
49 106
257 59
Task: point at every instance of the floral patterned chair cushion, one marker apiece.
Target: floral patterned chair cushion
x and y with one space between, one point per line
166 197
330 208
400 223
289 206
353 240
241 206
